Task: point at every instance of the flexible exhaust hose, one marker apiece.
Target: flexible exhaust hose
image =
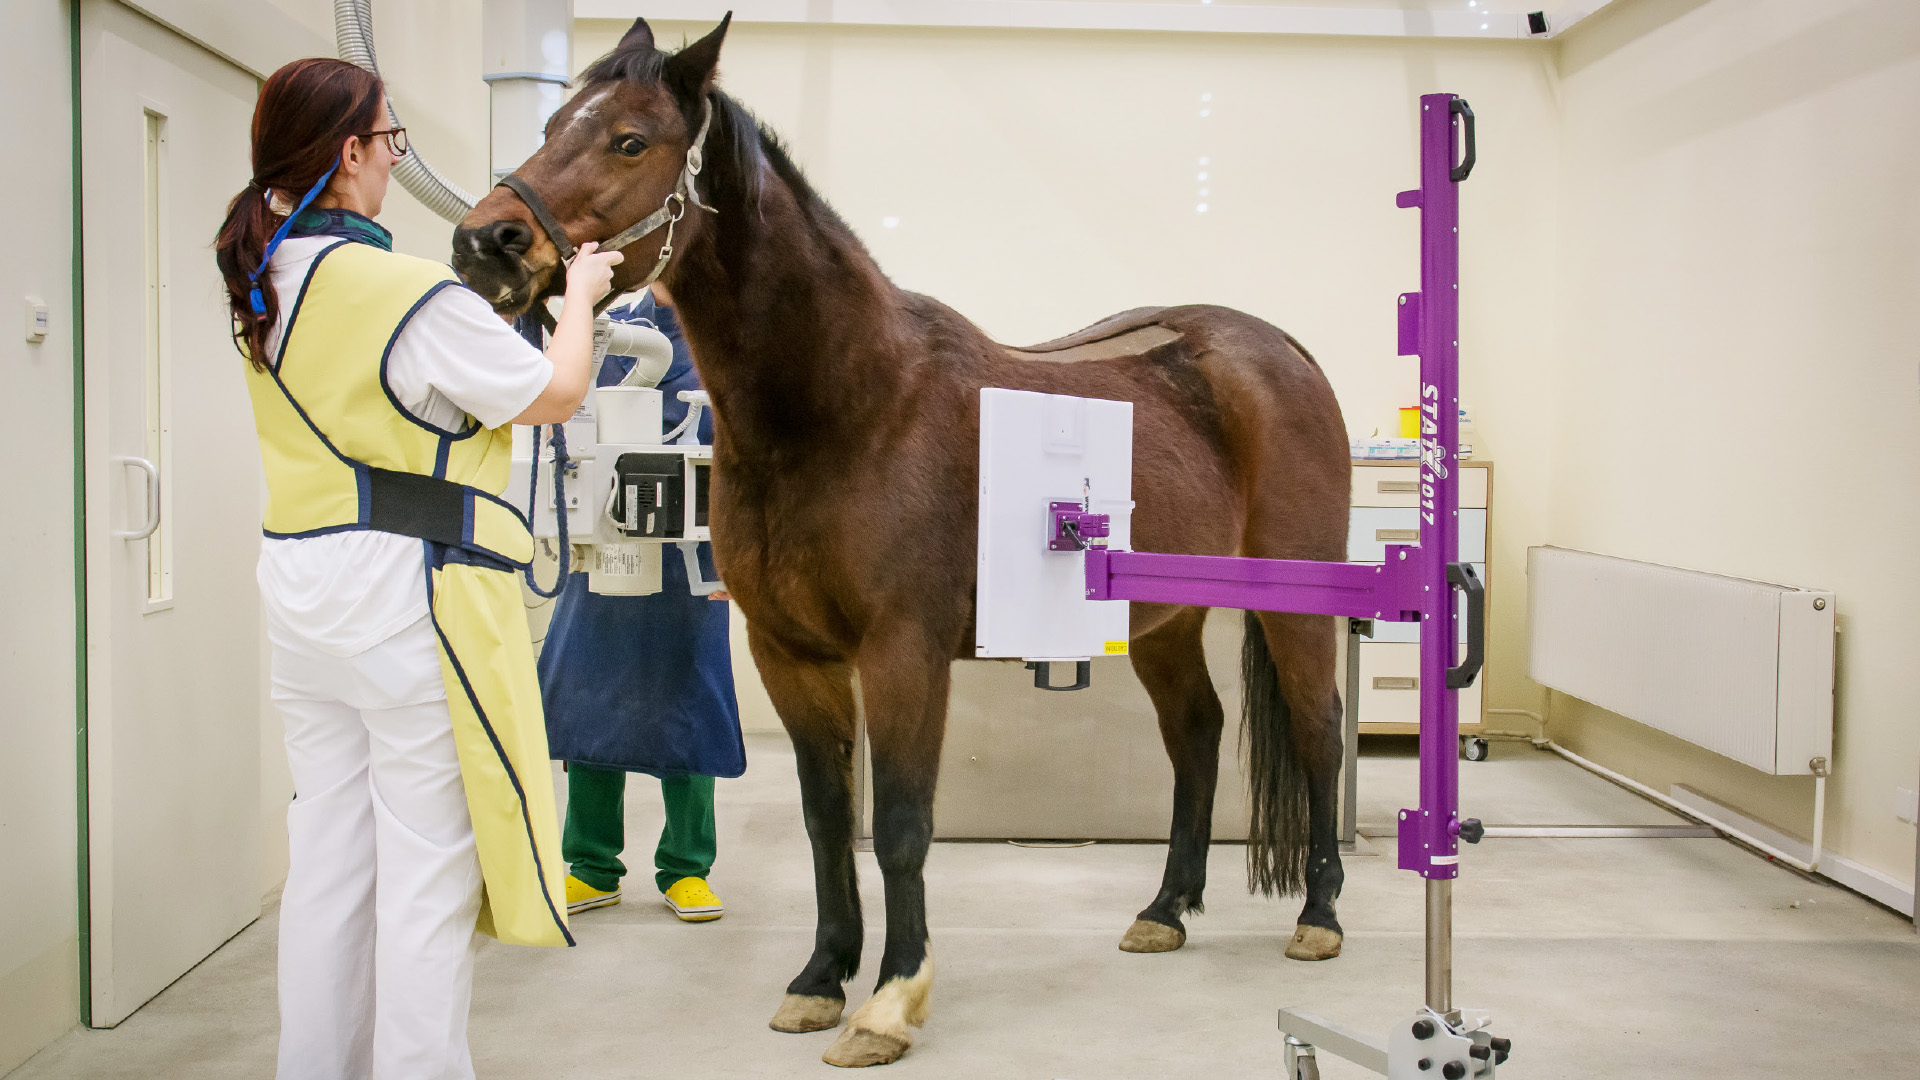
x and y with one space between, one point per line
353 39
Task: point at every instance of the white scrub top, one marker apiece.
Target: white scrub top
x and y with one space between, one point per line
346 592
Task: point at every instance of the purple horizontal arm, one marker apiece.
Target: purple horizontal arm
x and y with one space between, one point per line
1413 585
1359 590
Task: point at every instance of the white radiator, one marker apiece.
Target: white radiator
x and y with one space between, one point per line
1742 668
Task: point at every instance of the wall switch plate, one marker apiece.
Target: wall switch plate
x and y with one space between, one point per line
38 320
1906 804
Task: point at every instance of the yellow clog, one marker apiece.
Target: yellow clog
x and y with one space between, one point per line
693 901
584 897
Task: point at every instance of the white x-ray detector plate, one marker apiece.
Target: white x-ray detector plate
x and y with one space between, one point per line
1036 449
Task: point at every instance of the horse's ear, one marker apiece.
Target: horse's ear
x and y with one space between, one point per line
689 72
638 36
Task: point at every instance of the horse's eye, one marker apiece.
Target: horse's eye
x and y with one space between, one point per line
630 145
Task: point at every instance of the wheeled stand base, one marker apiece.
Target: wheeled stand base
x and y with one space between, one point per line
1456 1046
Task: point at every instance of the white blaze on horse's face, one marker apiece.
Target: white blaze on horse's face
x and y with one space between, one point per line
586 112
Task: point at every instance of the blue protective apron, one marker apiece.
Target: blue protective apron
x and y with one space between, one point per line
645 683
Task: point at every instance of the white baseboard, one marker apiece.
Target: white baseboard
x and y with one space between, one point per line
1842 871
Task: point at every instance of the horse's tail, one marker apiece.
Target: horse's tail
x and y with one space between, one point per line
1277 835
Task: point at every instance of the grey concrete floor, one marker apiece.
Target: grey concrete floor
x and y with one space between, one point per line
1599 957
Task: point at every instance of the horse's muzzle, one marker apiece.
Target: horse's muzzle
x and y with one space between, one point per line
492 259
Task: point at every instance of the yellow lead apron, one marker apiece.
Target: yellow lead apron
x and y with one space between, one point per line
342 454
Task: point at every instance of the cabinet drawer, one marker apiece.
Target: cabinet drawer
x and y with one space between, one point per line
1390 686
1371 528
1399 485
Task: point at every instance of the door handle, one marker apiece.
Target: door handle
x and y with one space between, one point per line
153 499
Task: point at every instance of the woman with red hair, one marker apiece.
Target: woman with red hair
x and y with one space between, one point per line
383 393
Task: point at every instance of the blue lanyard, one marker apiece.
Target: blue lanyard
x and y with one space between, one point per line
254 297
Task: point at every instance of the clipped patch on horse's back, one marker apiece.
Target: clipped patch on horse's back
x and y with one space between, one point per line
1135 341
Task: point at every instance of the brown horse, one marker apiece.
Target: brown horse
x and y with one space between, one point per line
844 503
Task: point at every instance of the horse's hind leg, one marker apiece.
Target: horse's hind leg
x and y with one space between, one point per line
1172 665
1293 730
815 702
904 678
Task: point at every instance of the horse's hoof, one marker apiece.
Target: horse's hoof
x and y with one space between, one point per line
1313 943
804 1012
881 1029
857 1048
1146 935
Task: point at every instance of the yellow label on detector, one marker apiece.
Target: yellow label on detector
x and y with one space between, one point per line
1116 648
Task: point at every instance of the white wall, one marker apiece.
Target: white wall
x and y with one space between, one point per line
1739 267
1044 179
39 968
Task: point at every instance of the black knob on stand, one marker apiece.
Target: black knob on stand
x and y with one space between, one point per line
1472 831
1453 1070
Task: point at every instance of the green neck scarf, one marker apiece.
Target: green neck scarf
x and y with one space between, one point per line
342 223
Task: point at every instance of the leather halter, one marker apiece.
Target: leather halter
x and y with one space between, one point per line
672 209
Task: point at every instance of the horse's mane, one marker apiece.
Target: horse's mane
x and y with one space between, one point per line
738 142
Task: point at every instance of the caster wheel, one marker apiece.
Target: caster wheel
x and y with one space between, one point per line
1473 749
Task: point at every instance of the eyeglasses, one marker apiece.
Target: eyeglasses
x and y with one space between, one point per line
396 140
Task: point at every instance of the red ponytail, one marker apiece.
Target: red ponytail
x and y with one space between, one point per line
306 110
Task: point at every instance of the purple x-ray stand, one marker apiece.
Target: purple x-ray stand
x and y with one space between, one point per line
1415 584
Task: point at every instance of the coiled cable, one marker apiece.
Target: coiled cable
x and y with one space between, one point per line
353 40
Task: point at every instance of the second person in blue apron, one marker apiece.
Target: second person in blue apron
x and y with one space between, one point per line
644 684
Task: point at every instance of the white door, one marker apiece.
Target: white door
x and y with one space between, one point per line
173 667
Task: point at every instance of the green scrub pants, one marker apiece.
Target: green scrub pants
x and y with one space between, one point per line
596 831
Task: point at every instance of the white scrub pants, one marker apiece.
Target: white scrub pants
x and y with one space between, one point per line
377 919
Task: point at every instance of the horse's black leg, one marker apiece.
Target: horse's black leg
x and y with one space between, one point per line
815 703
1302 648
1172 666
815 997
1318 935
904 686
